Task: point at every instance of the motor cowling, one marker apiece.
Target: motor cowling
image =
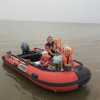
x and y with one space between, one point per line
25 48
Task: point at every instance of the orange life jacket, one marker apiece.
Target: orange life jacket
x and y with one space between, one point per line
43 61
67 62
57 49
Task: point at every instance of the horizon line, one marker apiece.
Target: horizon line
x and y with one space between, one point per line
50 21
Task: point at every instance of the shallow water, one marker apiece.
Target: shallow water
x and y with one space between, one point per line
84 38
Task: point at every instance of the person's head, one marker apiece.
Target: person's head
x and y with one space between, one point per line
50 39
44 54
56 42
67 50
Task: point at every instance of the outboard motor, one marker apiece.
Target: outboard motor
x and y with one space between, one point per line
25 48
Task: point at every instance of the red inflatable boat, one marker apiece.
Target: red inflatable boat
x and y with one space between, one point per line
54 80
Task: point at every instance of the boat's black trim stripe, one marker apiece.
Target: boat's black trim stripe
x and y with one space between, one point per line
51 84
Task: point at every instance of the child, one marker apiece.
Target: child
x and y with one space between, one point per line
45 59
57 45
67 58
57 49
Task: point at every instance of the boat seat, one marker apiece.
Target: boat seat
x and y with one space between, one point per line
37 62
34 57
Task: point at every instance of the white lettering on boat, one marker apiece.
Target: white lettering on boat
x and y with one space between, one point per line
22 67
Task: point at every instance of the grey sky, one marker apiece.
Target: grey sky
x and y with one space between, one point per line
86 11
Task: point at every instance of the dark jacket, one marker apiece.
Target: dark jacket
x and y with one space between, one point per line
51 48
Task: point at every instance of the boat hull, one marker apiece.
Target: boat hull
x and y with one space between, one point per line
52 80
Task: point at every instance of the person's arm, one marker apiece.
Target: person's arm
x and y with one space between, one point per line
62 66
45 64
49 51
72 69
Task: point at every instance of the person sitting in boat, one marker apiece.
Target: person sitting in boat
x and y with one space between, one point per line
50 49
49 46
44 59
57 45
67 58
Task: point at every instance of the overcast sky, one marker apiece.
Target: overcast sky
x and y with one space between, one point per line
85 11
